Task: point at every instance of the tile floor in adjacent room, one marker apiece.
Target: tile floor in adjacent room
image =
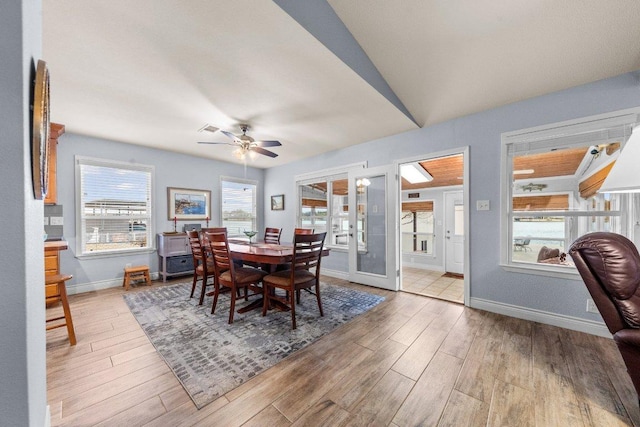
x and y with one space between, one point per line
433 284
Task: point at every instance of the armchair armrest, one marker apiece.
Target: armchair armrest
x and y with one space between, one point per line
630 337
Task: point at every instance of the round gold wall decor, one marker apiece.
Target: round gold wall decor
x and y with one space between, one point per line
40 140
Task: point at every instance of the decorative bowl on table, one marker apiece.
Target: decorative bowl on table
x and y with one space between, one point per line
250 234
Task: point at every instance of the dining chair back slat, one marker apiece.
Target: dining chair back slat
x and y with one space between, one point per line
203 235
307 256
302 231
272 235
202 266
229 275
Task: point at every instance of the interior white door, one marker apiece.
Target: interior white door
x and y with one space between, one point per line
372 227
454 232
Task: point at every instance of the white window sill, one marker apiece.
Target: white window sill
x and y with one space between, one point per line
559 272
116 253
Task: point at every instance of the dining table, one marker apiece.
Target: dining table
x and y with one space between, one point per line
267 255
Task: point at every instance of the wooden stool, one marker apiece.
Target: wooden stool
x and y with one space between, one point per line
55 290
140 272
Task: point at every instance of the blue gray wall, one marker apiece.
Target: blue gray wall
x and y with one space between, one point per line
481 132
171 170
22 308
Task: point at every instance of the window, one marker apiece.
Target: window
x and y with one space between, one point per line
326 201
417 227
551 180
323 204
114 207
238 203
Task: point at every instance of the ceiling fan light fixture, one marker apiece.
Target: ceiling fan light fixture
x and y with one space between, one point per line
244 143
363 182
415 174
240 153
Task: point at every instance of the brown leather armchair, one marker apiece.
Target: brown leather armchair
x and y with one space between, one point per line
610 267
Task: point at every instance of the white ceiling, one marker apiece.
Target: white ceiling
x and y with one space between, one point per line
153 72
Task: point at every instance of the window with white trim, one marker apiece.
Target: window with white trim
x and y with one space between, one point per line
551 179
417 227
114 206
324 206
238 205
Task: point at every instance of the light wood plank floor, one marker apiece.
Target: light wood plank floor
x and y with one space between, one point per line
410 361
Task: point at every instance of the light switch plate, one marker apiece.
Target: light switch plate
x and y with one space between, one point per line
482 205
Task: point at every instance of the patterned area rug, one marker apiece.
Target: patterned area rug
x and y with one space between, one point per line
211 357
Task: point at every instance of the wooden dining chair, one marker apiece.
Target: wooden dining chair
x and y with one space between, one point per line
55 290
307 254
272 235
205 242
302 231
202 265
231 276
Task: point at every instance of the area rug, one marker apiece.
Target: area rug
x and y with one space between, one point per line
211 357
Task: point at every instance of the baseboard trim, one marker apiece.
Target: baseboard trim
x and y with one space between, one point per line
79 288
335 273
47 417
567 322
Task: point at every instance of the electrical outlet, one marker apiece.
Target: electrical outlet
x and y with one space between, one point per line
128 265
591 307
56 220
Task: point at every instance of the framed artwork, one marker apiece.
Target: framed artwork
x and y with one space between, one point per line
277 202
188 204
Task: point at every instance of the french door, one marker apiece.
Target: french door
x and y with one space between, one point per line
372 227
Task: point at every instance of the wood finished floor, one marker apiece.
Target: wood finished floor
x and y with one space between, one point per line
410 361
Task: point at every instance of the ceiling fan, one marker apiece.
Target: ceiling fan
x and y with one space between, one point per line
244 143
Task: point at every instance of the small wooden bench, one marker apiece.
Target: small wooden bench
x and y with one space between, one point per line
140 272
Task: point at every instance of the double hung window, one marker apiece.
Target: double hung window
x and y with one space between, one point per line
416 226
551 181
238 205
114 206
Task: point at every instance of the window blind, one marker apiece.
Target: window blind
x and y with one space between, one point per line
115 208
238 206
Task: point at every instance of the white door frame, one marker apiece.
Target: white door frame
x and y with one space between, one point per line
465 197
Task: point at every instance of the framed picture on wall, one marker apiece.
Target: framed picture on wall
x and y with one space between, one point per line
188 204
277 202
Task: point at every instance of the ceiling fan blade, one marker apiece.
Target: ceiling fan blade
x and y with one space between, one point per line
216 143
268 143
265 152
229 134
